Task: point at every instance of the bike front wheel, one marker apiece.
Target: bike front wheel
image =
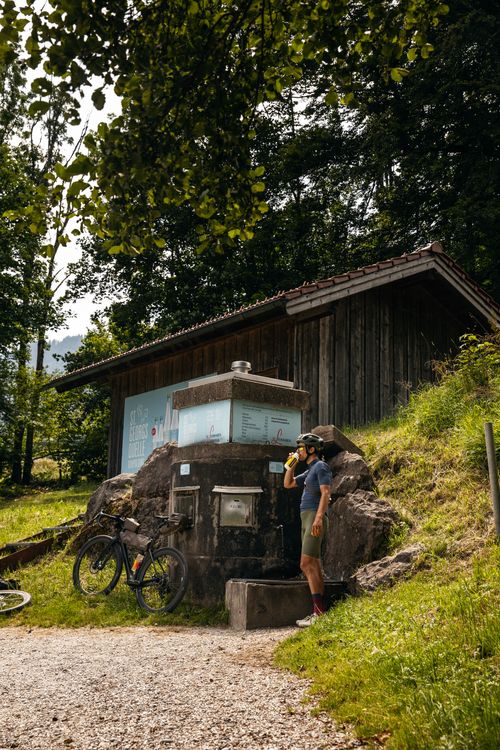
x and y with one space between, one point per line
162 580
11 600
98 566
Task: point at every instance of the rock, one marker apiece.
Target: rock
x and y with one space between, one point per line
151 489
359 526
112 496
385 571
335 441
153 478
350 473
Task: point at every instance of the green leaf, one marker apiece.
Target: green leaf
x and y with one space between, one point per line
397 74
61 171
348 100
332 96
38 108
258 187
81 165
76 188
98 99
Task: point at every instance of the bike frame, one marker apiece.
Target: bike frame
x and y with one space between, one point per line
148 553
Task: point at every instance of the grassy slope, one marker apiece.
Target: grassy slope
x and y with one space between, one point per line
418 665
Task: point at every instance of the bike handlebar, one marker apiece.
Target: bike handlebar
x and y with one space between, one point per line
177 520
119 521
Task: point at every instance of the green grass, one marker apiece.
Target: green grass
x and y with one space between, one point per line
35 510
418 664
54 601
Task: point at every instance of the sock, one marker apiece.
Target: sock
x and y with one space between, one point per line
318 604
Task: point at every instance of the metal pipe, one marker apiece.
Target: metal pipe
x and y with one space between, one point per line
493 472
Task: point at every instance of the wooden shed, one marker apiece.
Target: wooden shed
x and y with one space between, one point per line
358 342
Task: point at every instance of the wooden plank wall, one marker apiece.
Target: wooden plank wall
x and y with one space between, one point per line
358 361
363 358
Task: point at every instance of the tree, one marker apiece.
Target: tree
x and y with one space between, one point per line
427 149
192 76
21 288
79 437
28 273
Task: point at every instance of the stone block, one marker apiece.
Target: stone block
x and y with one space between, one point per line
335 441
242 387
272 603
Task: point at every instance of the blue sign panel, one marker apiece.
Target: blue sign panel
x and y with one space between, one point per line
206 423
149 420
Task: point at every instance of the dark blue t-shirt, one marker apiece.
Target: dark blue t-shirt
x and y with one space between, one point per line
317 473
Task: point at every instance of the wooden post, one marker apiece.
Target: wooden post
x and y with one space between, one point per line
493 472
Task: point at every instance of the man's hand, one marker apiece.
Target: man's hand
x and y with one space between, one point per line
317 526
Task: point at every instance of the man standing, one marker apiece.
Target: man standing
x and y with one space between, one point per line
315 482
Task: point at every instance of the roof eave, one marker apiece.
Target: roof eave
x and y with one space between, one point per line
121 363
319 298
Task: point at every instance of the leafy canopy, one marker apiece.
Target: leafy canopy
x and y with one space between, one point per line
192 75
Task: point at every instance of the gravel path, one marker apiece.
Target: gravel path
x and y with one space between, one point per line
138 688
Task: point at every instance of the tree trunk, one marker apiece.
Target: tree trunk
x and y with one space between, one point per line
37 385
20 424
35 404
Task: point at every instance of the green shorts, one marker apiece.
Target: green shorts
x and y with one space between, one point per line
311 545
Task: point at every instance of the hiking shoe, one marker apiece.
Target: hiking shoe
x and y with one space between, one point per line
306 621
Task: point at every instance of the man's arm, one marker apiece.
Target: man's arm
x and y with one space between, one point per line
317 526
289 480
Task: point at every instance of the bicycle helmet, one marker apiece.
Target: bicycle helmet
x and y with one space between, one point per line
310 440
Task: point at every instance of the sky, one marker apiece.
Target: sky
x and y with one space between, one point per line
78 313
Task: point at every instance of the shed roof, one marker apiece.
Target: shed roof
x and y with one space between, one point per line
307 297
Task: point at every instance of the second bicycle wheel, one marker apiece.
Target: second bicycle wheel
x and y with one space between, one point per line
162 580
12 599
98 566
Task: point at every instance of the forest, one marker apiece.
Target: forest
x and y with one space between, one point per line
259 145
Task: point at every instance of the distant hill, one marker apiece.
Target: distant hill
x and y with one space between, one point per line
67 344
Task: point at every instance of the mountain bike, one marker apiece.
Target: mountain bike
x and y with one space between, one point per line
11 599
159 577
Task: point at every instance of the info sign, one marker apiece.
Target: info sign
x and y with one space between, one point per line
149 420
265 424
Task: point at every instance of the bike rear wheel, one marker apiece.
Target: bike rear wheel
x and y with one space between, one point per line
10 600
98 566
162 580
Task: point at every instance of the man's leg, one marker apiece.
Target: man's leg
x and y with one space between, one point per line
311 567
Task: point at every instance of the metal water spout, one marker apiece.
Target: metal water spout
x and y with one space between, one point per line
241 366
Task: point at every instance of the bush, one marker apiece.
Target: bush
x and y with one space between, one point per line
45 470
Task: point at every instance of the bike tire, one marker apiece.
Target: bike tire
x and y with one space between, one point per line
162 580
98 566
12 599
